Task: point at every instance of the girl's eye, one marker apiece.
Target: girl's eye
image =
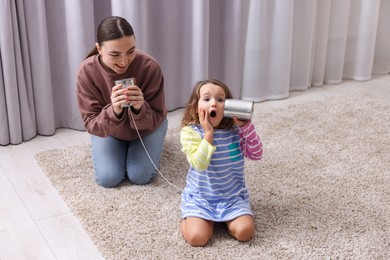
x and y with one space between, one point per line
221 100
206 99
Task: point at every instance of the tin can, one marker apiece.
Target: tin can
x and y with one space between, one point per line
242 109
125 83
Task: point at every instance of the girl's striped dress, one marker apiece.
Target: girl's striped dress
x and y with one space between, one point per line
215 186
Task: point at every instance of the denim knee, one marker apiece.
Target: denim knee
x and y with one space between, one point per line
108 180
141 176
109 157
141 169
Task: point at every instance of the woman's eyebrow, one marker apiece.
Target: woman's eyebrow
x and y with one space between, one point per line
118 52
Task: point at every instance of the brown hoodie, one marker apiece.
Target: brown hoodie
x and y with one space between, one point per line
93 91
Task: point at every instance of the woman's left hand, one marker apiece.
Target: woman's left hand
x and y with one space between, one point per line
134 96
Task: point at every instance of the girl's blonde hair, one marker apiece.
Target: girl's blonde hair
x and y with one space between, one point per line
190 116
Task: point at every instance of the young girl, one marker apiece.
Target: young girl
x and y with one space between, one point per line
215 148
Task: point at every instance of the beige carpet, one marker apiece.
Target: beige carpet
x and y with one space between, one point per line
322 190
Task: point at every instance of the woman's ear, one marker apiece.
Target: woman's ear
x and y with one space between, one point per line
99 49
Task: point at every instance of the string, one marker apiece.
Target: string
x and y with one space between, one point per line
150 158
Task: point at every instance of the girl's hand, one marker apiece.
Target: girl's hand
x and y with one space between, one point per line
207 127
239 122
204 121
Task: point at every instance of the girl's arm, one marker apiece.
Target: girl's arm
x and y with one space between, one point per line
250 142
197 150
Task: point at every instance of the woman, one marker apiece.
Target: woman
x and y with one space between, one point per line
117 150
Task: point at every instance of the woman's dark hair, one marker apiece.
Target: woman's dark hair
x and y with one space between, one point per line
111 28
190 115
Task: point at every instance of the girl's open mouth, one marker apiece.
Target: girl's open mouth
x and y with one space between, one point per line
213 114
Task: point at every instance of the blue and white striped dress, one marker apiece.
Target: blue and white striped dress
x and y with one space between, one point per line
215 186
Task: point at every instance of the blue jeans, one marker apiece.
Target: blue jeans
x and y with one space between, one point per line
113 158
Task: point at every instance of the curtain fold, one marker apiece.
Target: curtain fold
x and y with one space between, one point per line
303 43
382 42
26 73
361 37
226 61
70 36
322 23
266 71
37 70
262 49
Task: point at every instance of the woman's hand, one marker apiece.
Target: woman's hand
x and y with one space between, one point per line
118 99
134 96
130 95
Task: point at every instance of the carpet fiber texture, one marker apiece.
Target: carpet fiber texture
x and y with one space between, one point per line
322 190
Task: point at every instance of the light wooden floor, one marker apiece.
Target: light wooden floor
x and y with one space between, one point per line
35 223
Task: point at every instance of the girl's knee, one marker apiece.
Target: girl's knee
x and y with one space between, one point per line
197 238
244 233
196 233
242 228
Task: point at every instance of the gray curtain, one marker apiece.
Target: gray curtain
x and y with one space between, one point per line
261 48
